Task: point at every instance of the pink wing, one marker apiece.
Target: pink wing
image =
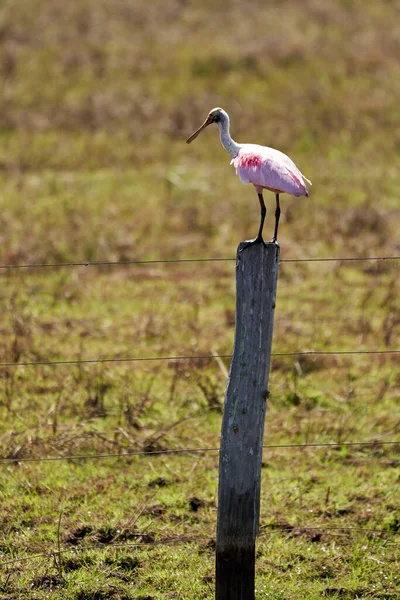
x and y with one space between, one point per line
269 168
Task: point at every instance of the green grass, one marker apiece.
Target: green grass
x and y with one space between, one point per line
98 99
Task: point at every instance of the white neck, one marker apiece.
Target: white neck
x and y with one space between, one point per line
228 143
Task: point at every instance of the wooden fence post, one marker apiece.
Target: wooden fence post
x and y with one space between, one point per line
243 422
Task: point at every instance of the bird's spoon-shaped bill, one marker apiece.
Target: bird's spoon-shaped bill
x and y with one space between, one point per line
194 135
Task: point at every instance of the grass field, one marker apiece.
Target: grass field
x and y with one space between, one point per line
98 99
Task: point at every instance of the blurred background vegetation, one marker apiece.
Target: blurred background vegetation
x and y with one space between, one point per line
96 102
98 99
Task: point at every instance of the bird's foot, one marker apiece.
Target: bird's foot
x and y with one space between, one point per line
257 240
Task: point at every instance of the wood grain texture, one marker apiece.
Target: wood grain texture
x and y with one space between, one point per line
243 422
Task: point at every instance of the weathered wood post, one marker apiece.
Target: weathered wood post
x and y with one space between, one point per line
243 422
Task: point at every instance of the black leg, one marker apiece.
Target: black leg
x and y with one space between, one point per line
263 213
259 238
277 215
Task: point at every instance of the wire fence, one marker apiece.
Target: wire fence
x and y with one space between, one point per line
189 357
103 263
177 451
287 528
71 362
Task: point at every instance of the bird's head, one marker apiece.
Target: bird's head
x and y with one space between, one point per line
216 115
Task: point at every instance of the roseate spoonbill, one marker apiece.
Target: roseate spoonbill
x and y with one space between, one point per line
264 167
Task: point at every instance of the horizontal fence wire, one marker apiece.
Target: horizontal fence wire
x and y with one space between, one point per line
102 263
83 361
189 540
7 460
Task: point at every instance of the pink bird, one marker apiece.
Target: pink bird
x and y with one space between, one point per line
264 167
